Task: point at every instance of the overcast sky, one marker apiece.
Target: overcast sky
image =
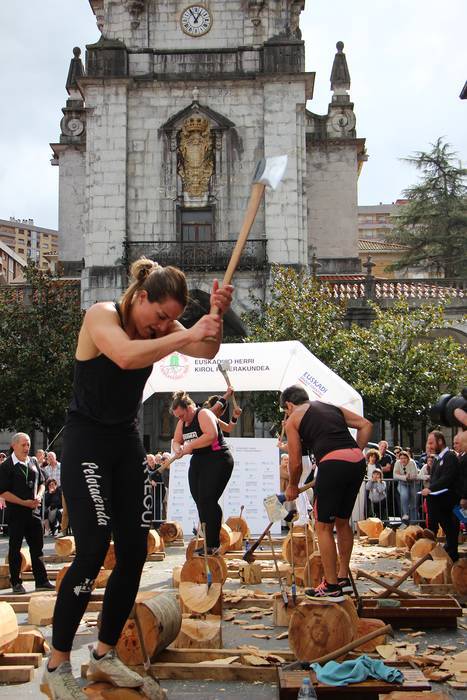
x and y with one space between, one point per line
407 61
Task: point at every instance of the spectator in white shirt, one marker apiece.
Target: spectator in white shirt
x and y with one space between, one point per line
53 468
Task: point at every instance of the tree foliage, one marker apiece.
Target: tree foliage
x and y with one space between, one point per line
39 324
393 363
433 225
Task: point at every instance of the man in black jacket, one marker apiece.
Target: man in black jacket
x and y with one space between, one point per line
444 491
22 487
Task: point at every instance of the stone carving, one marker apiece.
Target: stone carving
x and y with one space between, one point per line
343 122
195 156
255 7
135 8
295 12
71 126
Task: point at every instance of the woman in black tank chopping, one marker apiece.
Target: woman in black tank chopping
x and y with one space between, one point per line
104 472
198 433
324 430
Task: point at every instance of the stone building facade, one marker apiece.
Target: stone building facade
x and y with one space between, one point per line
162 131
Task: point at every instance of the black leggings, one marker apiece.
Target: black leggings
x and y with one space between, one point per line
208 476
104 480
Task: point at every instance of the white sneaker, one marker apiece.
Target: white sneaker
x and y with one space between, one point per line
112 670
61 684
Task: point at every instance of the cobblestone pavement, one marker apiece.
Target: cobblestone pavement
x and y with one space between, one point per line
157 575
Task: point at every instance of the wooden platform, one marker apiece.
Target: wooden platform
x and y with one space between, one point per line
419 613
290 682
57 559
20 603
18 668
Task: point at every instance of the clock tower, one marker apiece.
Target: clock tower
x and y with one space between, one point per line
161 134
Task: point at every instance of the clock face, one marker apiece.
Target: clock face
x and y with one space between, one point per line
196 20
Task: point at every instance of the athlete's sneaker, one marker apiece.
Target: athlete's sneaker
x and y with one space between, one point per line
328 592
60 684
109 668
345 585
18 589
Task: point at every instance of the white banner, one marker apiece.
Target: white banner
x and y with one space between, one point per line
254 367
255 476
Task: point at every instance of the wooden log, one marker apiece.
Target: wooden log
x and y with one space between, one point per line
280 613
316 629
371 527
407 536
195 543
459 576
432 572
110 559
250 573
8 625
351 610
387 538
25 559
237 524
41 609
299 548
28 641
65 546
102 579
199 634
171 530
198 597
155 542
106 691
194 570
236 539
225 536
16 674
316 569
364 627
176 571
421 547
160 619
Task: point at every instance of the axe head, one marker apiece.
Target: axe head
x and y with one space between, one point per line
277 510
270 171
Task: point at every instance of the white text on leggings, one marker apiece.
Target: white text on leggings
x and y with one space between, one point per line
146 517
92 481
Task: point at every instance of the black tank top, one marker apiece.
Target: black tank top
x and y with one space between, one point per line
323 429
193 431
105 393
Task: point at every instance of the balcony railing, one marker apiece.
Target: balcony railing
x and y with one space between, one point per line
202 256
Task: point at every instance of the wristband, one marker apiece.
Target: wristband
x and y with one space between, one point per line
222 402
234 419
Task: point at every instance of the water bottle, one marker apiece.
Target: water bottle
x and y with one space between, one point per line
307 690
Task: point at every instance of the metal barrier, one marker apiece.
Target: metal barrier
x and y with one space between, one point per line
402 499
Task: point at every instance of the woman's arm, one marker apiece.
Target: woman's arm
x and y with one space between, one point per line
177 442
295 458
228 427
363 426
397 473
208 424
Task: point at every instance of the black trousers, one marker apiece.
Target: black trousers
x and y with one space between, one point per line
23 524
208 476
440 513
107 490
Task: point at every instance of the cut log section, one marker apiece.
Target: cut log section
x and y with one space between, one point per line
371 527
316 629
407 536
102 579
280 613
29 641
194 570
250 573
364 627
41 609
195 543
459 576
110 559
155 542
299 547
387 538
199 634
160 619
351 610
171 530
106 691
198 597
176 571
65 546
421 547
25 559
8 625
316 570
432 572
237 524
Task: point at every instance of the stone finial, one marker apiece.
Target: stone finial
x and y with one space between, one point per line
340 76
75 71
369 265
195 94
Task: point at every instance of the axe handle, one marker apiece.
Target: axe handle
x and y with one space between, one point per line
229 384
257 192
256 544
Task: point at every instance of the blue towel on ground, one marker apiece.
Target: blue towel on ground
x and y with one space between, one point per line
356 671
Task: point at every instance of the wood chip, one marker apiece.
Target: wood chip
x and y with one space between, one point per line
416 634
229 616
387 651
258 627
283 635
240 622
257 616
219 662
261 636
253 660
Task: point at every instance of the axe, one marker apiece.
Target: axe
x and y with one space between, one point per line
276 511
165 466
269 172
224 367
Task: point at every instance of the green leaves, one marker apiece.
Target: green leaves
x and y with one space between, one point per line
394 364
38 330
